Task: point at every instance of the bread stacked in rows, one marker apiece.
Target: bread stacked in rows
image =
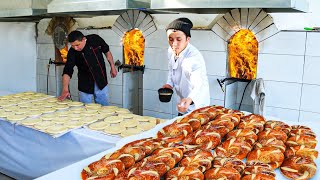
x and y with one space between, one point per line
211 143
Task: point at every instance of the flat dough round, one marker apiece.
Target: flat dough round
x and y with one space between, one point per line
75 104
48 110
5 114
88 120
30 122
122 111
73 124
43 125
145 126
60 120
129 132
16 117
60 107
115 129
126 116
98 125
33 113
129 123
52 100
113 119
56 129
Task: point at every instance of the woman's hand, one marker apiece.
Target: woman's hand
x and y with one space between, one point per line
184 104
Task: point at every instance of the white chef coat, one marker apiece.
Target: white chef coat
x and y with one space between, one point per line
188 76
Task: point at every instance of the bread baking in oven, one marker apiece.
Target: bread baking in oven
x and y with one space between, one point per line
301 168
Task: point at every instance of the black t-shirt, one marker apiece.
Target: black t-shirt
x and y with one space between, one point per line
90 63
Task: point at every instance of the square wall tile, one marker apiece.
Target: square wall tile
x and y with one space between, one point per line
283 94
215 62
151 102
244 107
309 117
115 94
292 43
273 113
46 51
117 54
156 114
156 58
310 98
154 79
157 39
51 83
110 37
216 102
311 70
174 102
231 95
312 44
280 67
245 96
214 87
207 40
42 36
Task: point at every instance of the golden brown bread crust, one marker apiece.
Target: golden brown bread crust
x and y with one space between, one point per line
222 173
268 155
102 169
168 160
184 173
234 118
304 132
298 168
222 122
135 173
234 147
148 145
300 127
198 158
175 153
271 142
229 163
204 139
258 170
175 132
202 117
232 111
252 121
211 111
272 133
308 141
248 135
301 151
222 130
277 125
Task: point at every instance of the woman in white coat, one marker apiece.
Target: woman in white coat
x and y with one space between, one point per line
187 69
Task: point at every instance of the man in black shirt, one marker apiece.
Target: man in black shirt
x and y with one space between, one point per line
86 53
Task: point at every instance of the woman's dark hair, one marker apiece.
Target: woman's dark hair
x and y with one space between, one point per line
75 35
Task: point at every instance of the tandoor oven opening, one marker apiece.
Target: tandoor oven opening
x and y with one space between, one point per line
133 50
243 55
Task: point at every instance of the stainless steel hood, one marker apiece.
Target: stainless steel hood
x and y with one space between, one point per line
96 7
20 8
223 6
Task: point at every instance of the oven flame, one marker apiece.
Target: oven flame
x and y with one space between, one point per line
243 55
64 53
133 44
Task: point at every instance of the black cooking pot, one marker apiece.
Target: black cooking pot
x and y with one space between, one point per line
165 94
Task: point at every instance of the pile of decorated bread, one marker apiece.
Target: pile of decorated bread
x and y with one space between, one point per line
214 143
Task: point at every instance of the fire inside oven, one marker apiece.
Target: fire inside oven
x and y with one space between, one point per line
243 55
133 49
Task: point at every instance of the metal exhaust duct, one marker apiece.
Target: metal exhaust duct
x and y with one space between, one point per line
96 7
223 6
19 8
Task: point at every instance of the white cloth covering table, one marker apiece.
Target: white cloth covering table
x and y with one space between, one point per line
26 153
72 172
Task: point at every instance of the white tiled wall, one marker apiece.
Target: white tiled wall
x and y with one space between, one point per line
288 62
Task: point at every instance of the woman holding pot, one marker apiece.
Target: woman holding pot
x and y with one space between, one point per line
187 69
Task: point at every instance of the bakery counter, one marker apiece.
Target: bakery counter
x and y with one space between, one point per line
26 153
72 172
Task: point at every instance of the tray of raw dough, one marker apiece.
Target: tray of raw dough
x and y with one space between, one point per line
20 98
125 124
